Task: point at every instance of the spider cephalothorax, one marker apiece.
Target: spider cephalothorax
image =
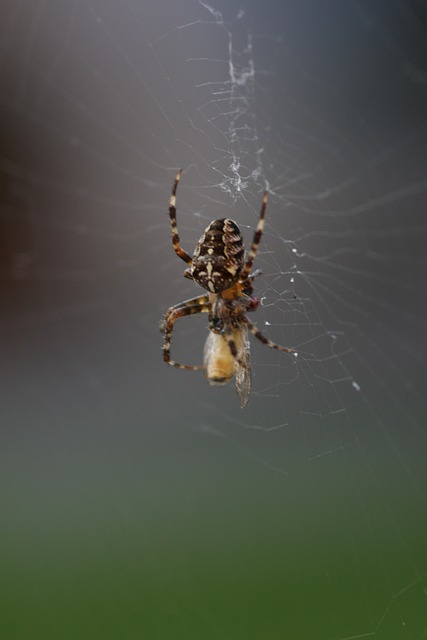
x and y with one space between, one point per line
219 265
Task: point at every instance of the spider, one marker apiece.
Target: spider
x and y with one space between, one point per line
219 265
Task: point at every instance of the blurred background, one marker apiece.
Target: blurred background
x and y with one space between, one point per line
137 501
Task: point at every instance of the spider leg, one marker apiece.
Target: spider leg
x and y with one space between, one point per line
256 240
228 331
187 308
230 336
172 214
257 333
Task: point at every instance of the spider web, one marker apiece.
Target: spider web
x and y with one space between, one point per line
304 514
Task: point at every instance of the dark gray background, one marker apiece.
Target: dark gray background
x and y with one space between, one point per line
138 501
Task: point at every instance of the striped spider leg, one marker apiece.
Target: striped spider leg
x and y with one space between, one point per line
187 308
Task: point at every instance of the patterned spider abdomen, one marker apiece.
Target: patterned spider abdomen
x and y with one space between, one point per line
219 256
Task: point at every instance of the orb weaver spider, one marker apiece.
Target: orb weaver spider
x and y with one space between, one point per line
219 265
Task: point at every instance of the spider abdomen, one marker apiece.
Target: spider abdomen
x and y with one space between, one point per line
219 256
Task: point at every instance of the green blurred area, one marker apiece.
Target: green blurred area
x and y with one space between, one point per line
203 542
